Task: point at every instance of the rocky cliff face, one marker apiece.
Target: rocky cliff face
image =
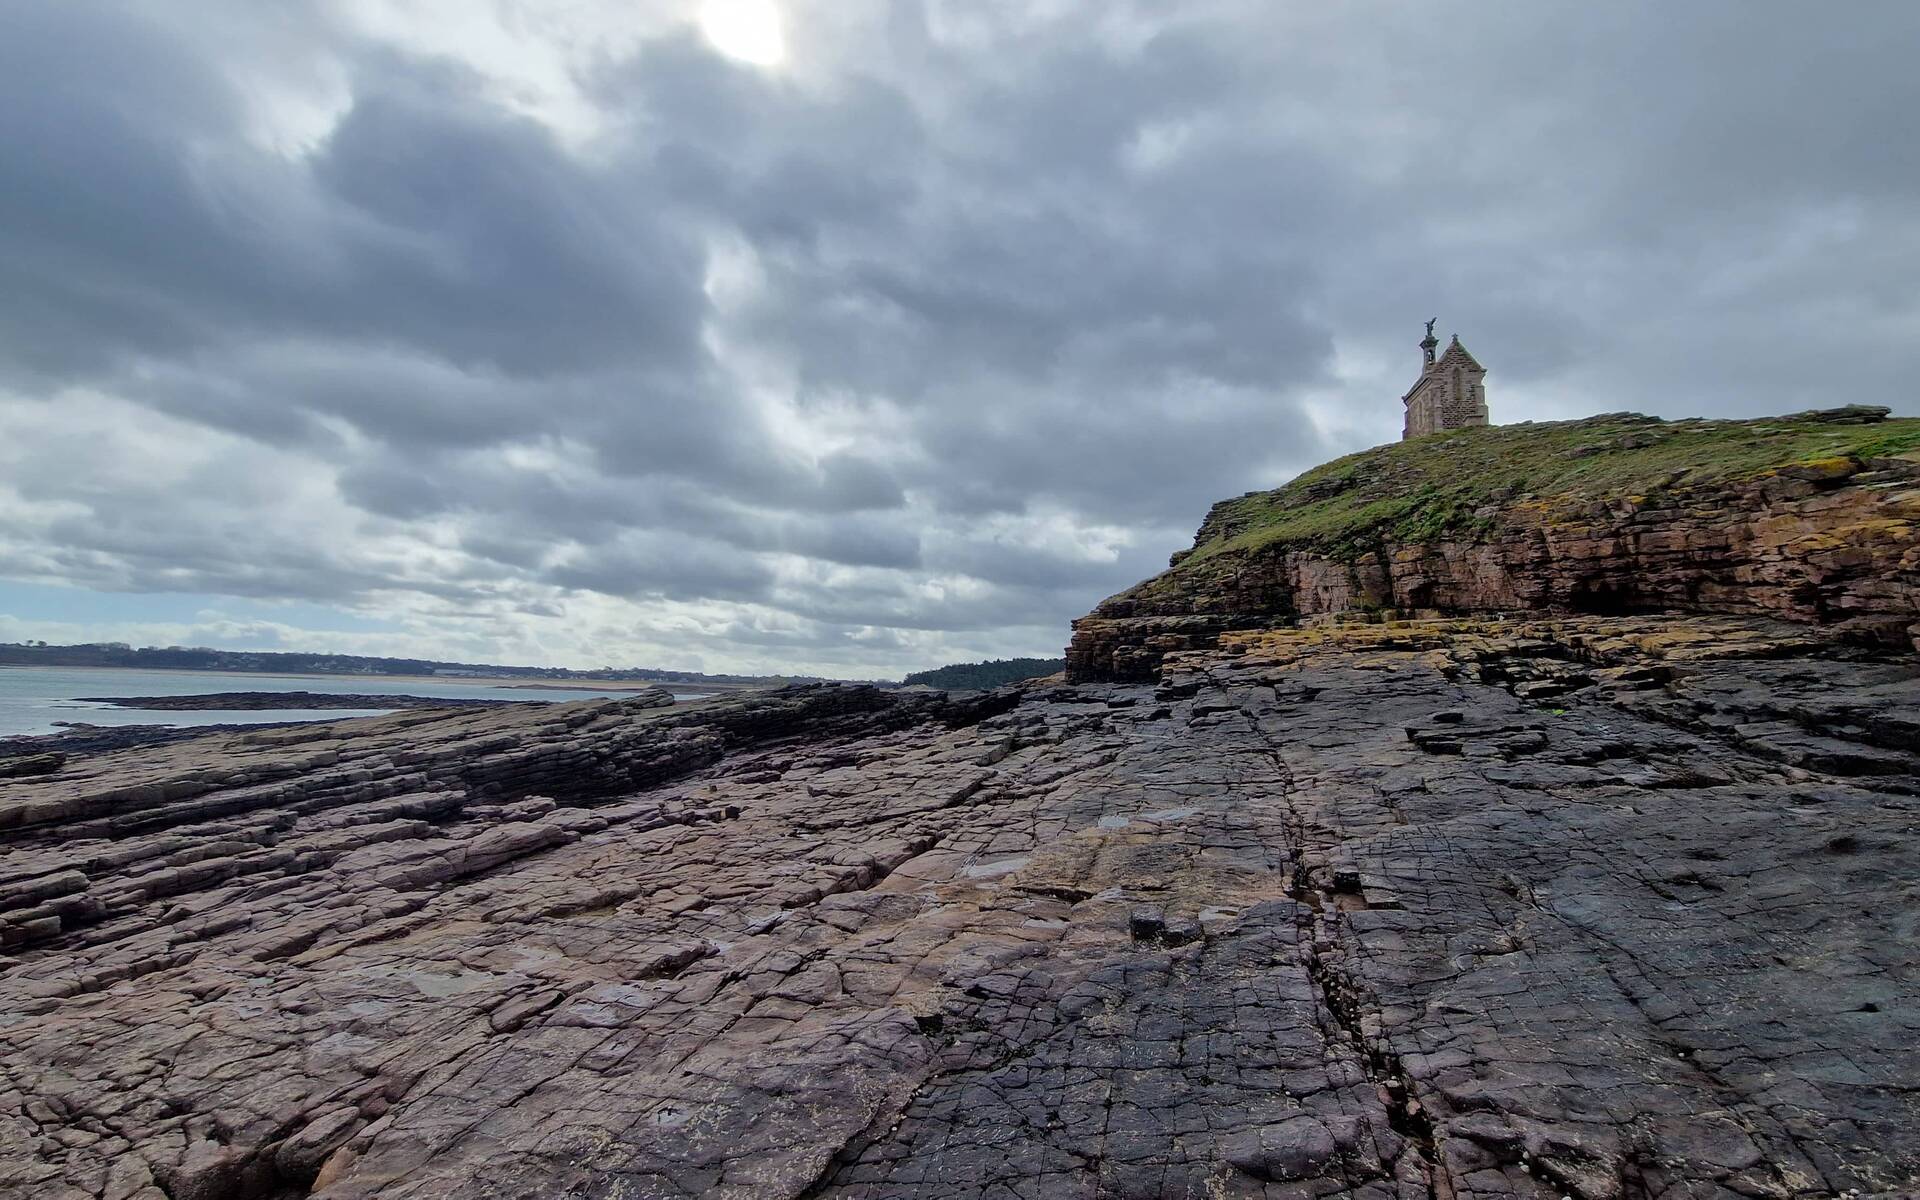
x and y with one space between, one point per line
1808 518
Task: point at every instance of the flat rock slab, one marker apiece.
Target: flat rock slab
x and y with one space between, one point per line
655 697
1348 913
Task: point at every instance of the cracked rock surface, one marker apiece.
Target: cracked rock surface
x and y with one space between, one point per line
1597 907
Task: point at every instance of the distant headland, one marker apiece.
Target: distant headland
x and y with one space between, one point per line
275 662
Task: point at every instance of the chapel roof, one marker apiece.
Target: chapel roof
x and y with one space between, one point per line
1457 353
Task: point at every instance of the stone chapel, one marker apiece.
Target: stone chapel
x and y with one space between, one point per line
1451 392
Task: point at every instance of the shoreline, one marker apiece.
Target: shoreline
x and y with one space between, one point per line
635 685
296 701
566 684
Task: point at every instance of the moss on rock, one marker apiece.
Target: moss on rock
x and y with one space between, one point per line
1451 485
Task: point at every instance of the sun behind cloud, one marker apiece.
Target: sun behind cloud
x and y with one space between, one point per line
749 30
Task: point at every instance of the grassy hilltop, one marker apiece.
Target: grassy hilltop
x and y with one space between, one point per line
1450 485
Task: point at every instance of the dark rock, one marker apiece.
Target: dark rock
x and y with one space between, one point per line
1847 414
642 698
1249 938
1300 1148
257 701
21 766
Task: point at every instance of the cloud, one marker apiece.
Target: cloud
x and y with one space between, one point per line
557 335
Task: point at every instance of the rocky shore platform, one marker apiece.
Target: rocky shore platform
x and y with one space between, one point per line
1597 906
259 701
39 753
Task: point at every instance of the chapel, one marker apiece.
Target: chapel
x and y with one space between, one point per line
1451 392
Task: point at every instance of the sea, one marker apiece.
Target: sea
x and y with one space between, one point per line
33 698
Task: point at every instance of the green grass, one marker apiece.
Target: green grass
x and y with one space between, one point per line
1448 484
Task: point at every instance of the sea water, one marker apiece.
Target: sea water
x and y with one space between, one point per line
33 698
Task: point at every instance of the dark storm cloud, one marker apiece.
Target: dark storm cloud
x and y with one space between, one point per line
100 219
486 244
1070 333
1025 301
429 219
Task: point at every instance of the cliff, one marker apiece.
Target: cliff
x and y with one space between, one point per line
1808 518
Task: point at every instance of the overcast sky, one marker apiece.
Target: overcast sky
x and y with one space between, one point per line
855 337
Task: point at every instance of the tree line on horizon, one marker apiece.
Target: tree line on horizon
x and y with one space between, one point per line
982 675
966 676
204 658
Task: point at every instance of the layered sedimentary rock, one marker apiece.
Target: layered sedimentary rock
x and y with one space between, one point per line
1597 907
1809 518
